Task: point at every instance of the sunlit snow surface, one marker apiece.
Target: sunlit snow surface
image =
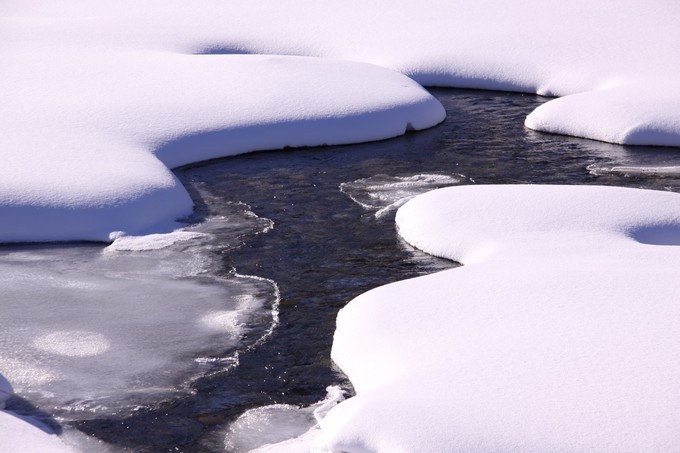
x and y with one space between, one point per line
123 90
560 331
94 331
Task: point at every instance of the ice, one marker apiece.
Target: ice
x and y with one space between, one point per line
100 163
628 113
558 333
90 331
384 194
280 427
635 170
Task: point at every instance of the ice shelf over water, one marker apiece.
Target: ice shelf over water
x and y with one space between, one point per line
90 332
100 99
559 333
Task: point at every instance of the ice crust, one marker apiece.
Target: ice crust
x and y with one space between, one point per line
89 331
384 194
559 333
100 99
281 428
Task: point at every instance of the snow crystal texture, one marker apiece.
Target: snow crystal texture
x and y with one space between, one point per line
559 333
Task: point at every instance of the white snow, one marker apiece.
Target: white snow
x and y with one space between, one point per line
18 434
559 333
94 119
100 99
644 113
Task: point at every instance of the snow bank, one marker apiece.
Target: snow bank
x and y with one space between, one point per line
23 434
92 124
99 99
559 333
19 434
632 114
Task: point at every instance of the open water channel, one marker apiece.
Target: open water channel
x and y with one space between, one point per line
173 344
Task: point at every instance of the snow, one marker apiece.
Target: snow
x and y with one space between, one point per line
93 127
280 428
22 433
99 100
19 434
559 333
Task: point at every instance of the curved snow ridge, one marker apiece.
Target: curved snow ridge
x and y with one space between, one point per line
559 334
634 114
461 223
94 166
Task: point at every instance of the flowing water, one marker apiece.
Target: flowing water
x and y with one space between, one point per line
160 344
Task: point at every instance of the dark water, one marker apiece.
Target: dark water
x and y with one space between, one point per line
325 249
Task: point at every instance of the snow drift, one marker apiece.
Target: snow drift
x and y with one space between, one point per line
559 333
99 100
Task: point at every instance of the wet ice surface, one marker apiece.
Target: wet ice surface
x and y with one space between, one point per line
635 171
323 250
385 194
88 330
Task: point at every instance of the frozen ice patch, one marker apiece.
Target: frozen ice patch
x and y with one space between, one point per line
384 194
6 391
281 427
73 343
666 171
91 330
227 321
151 241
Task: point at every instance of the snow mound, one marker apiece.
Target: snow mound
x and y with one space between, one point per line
639 114
115 114
559 333
122 91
